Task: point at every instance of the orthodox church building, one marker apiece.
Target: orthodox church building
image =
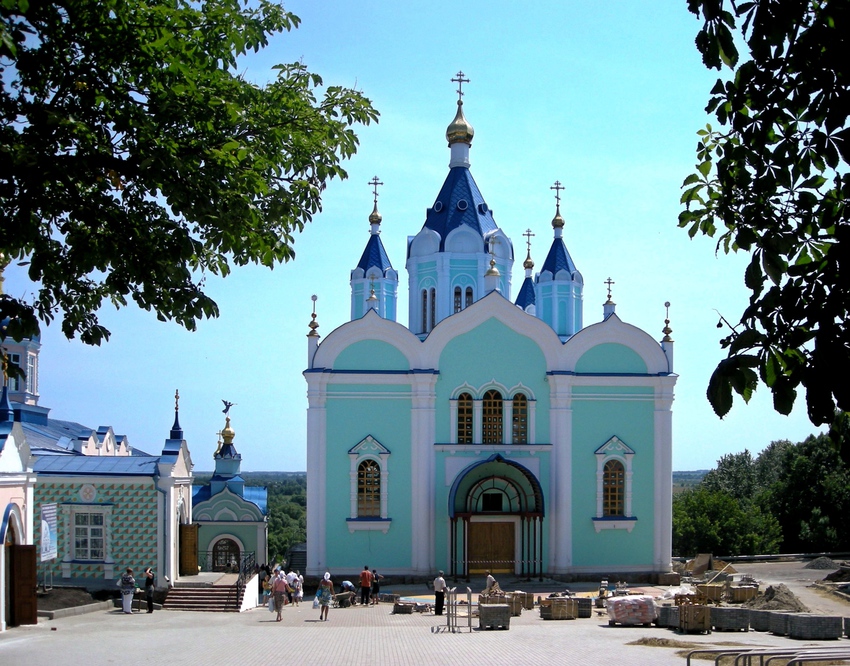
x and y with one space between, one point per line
488 432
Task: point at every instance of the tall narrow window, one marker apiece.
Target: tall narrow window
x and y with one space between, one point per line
433 320
14 383
519 419
424 327
368 489
468 297
32 374
613 489
492 418
464 419
458 301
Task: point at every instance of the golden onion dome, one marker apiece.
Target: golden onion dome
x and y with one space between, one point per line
528 263
558 221
375 217
228 433
460 131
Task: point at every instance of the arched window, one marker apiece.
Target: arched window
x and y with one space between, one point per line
464 419
468 297
458 301
226 555
368 489
433 321
519 419
492 418
424 326
613 489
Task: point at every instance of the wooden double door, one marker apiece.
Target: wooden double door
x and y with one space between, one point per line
491 546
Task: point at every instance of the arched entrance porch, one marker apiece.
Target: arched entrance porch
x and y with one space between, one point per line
496 513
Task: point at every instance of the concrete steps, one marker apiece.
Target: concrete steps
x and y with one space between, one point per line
209 599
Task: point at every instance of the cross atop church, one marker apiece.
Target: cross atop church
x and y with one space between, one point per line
609 282
460 81
528 236
557 187
375 183
493 241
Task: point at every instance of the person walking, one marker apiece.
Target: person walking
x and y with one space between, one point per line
279 590
439 594
324 595
128 588
365 586
149 586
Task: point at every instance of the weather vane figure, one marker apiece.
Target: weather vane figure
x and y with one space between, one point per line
227 406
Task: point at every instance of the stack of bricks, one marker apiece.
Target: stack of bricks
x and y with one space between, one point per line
730 619
668 616
760 620
585 606
809 626
493 616
778 623
632 610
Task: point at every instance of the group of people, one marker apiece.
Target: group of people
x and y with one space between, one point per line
127 583
281 588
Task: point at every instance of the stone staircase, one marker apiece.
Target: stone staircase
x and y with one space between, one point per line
220 597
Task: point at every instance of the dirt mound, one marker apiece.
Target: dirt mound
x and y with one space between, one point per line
840 576
821 563
777 597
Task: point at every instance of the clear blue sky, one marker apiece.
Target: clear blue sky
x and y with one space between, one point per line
604 96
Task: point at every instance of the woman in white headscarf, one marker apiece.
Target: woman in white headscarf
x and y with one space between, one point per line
325 594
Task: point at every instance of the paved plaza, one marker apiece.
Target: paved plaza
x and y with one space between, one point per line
354 636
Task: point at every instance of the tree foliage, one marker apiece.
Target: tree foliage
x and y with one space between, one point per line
135 160
772 180
712 521
791 498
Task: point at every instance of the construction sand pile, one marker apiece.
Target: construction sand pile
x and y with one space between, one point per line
822 563
777 597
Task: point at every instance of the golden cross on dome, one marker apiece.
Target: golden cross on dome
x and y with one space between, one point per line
460 81
609 282
528 236
557 187
375 183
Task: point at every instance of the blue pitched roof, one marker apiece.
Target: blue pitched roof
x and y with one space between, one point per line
375 256
460 202
257 495
526 295
96 465
558 259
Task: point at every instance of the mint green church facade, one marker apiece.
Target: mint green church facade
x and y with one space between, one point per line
487 433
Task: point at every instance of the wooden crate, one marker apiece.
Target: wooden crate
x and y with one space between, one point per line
738 595
711 591
693 618
558 608
514 602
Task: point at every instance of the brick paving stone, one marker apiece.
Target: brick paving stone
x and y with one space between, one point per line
356 636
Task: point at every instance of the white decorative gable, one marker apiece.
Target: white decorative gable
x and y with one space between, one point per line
614 447
368 446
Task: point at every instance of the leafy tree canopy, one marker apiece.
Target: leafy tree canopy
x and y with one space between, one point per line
772 180
135 160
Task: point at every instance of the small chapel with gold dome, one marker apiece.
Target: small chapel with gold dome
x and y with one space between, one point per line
487 432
